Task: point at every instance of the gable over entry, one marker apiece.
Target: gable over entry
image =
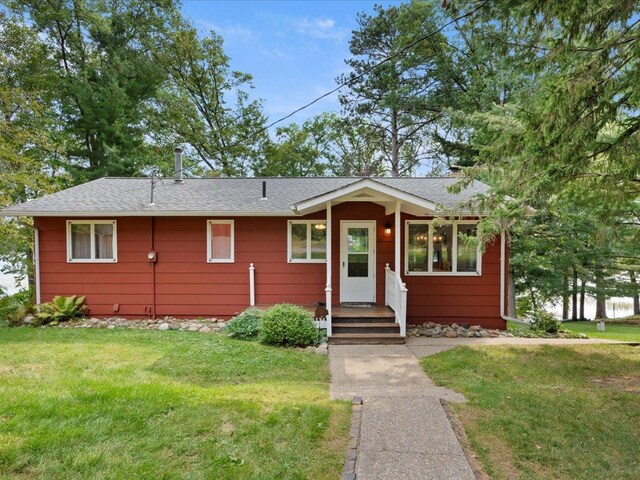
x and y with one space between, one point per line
395 201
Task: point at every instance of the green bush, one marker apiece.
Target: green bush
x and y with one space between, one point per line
13 308
61 309
545 322
246 324
289 325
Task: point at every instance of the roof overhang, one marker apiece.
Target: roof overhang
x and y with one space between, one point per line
368 190
146 213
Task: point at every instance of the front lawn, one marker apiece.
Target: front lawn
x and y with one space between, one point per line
548 412
627 333
99 404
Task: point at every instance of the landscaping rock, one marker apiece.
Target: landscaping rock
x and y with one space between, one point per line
322 349
163 327
450 334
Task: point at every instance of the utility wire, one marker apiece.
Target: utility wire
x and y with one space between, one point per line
359 76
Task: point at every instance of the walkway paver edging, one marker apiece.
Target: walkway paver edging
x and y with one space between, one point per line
349 470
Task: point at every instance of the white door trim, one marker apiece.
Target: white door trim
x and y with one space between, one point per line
371 224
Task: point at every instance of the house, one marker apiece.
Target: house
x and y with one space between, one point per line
212 247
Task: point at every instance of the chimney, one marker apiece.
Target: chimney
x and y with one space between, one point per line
178 164
455 171
264 190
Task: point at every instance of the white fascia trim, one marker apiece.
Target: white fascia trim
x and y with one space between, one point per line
321 200
150 213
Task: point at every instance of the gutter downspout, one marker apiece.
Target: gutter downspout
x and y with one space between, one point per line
503 241
36 263
153 267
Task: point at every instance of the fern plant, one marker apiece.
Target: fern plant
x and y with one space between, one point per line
62 309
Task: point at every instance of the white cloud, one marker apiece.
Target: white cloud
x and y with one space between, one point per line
324 28
229 32
276 53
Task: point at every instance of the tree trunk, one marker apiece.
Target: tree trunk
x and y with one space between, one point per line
583 291
565 296
511 291
574 293
601 298
395 148
636 293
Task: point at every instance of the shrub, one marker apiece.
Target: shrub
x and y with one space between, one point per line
289 325
545 322
13 308
246 324
61 309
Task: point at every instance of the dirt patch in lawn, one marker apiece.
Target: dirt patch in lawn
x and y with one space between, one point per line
626 383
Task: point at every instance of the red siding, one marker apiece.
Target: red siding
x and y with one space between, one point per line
187 286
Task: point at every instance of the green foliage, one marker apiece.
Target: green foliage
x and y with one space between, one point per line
289 325
13 308
61 309
246 324
544 321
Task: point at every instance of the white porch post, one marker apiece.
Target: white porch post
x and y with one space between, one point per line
327 289
396 265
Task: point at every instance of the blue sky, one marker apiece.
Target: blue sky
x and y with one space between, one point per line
294 49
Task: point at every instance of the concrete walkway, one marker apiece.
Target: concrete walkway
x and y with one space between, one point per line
405 431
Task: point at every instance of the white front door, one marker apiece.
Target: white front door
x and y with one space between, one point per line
358 261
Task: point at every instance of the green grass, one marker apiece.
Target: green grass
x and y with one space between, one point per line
548 412
161 405
627 333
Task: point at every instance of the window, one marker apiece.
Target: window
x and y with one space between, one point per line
307 241
92 241
220 241
440 250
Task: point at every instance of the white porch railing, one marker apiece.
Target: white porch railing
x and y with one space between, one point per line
395 297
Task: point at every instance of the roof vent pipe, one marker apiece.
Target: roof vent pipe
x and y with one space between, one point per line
455 171
178 164
264 189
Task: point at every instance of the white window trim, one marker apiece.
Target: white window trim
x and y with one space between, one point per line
92 224
233 241
289 241
454 248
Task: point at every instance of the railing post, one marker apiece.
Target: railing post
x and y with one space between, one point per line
252 285
327 292
386 284
403 309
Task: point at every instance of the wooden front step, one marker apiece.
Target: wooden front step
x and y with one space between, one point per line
366 339
365 327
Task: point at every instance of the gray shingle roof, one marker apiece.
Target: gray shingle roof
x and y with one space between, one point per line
130 196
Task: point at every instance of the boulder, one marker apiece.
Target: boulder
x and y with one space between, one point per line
450 334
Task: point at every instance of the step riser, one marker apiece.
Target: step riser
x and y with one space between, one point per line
362 319
366 341
393 328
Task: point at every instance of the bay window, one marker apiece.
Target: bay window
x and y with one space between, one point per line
435 249
91 241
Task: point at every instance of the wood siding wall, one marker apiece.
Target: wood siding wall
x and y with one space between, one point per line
187 286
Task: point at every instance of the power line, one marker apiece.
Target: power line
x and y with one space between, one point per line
359 76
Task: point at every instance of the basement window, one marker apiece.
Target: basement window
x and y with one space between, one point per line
220 241
441 249
92 241
307 241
